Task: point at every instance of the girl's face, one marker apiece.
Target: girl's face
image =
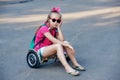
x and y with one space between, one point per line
54 20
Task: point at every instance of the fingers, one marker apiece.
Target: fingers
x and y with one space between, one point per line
68 45
71 47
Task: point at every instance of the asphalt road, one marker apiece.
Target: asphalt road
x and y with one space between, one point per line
92 27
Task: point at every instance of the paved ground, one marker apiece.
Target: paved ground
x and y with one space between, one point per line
92 27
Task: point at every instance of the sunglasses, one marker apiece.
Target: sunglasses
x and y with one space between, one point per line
54 20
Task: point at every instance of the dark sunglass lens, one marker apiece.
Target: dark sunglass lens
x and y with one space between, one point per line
53 20
58 21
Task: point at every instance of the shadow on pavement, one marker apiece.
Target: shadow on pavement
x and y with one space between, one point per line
8 2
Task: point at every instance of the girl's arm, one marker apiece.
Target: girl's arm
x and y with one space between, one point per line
54 40
60 35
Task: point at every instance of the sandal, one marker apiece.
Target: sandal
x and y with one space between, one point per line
74 73
80 68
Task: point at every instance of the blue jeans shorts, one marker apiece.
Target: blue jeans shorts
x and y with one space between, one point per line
40 52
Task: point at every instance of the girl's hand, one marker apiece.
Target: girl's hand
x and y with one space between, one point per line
68 45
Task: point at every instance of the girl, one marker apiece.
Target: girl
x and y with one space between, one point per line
54 42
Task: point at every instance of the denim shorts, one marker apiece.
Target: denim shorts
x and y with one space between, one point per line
40 51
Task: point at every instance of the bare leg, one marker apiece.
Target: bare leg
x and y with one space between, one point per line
57 48
71 54
76 65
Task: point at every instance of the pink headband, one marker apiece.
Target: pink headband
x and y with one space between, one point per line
56 9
